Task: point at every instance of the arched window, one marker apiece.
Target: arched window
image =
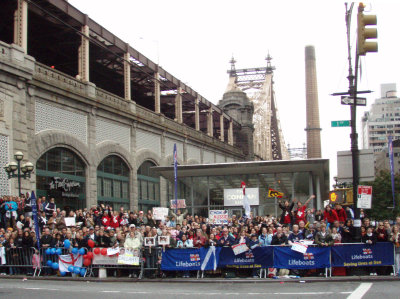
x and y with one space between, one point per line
113 182
148 187
60 173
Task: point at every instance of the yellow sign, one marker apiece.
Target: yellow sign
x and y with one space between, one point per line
333 196
274 193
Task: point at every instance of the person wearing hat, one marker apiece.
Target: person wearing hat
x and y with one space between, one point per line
133 241
138 235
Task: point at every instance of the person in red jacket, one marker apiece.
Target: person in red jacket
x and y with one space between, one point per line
341 213
114 223
106 219
199 240
330 215
300 214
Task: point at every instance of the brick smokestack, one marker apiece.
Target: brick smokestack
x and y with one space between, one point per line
312 127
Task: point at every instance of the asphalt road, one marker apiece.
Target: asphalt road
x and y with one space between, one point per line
13 288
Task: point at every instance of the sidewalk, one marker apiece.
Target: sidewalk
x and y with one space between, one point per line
211 280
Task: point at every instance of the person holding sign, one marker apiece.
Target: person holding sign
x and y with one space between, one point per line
178 216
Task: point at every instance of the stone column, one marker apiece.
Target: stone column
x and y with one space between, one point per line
127 74
210 128
221 125
21 25
197 114
178 105
91 177
157 98
83 53
230 133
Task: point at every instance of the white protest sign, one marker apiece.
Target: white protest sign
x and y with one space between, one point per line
69 221
364 197
218 217
150 241
112 251
160 213
299 247
128 257
239 248
163 240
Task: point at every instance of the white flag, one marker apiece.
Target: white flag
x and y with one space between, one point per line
246 206
67 260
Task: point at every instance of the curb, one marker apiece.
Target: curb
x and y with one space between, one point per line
210 280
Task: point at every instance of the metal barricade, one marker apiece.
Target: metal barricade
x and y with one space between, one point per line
19 260
152 260
96 267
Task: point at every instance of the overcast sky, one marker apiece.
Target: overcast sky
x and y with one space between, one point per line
194 41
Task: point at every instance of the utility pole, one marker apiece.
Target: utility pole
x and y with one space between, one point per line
362 48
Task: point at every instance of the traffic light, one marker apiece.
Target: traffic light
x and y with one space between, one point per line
363 34
341 196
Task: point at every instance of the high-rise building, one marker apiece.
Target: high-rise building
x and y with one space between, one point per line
382 120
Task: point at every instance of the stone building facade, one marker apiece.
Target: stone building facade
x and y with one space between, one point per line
90 145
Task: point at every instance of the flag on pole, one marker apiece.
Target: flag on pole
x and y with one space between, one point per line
390 144
246 204
35 218
176 176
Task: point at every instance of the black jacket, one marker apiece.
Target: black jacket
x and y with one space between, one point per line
287 209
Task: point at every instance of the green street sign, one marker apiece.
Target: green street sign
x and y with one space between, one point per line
340 123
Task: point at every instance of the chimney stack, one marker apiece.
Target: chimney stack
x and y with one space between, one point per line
312 127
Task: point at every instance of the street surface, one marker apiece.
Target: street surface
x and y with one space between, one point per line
13 288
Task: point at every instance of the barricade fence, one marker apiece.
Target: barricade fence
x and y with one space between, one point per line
92 262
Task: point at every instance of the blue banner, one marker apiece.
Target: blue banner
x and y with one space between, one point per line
176 176
390 144
259 257
380 254
190 259
315 257
35 218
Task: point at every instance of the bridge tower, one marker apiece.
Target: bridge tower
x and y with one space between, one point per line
258 83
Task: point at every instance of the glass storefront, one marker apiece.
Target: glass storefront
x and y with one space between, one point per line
60 173
148 187
113 182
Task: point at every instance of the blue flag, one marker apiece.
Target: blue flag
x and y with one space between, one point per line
390 144
176 177
35 218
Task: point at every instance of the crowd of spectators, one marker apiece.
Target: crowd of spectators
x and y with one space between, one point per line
124 228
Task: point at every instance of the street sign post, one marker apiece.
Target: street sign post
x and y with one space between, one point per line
346 100
364 197
340 123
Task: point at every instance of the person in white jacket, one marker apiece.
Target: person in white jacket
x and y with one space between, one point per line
178 216
132 242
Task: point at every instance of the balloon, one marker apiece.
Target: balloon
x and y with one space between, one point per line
71 268
54 266
53 251
83 271
74 250
104 251
91 243
87 262
49 263
77 270
58 251
96 250
82 251
85 256
63 273
89 255
67 244
48 251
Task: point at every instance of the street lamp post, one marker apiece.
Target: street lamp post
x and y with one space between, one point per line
15 170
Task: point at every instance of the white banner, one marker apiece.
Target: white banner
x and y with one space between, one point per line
160 213
234 197
218 217
128 257
239 248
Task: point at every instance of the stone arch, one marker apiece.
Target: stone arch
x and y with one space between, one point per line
144 155
49 139
109 148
